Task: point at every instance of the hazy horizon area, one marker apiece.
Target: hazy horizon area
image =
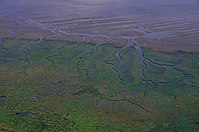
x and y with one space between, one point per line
102 8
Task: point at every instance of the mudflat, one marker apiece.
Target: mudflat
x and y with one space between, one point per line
170 25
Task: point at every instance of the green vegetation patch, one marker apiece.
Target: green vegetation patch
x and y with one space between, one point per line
64 86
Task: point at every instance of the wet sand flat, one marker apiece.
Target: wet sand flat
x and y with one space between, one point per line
170 25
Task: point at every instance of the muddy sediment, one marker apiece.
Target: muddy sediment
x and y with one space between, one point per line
178 31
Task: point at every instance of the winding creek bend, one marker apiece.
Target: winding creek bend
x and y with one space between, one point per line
169 65
132 102
40 39
58 54
129 44
132 43
101 43
81 61
1 42
49 58
121 79
26 59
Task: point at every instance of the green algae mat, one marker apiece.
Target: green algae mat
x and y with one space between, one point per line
55 86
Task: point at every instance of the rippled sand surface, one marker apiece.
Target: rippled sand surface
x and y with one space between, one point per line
166 25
